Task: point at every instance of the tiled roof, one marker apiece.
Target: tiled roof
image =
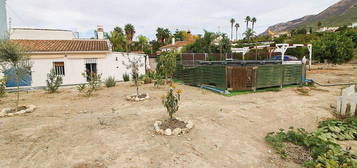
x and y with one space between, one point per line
63 45
177 44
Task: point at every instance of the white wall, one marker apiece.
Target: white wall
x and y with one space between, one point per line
41 34
111 65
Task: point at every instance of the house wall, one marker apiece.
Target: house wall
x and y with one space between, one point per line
110 64
41 34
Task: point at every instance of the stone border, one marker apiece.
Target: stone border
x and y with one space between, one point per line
134 98
176 131
6 111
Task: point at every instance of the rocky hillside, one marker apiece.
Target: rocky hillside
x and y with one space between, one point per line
341 13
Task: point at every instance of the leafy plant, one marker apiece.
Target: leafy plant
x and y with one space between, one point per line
147 79
126 77
324 151
53 81
3 86
92 85
171 101
110 82
167 64
13 56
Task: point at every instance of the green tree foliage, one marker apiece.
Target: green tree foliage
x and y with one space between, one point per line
143 43
129 34
3 86
12 55
166 64
335 47
179 35
249 34
118 39
53 81
247 20
163 35
171 101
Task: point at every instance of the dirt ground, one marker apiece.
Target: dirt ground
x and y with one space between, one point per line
68 130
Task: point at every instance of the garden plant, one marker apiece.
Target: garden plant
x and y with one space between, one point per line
53 81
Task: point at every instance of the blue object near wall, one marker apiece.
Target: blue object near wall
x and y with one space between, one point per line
11 79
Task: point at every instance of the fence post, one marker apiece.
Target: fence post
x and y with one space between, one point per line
205 56
282 75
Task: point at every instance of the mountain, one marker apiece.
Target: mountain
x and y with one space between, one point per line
339 14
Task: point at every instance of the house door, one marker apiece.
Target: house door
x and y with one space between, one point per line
91 68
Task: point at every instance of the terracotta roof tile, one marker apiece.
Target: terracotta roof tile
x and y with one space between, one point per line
63 45
177 44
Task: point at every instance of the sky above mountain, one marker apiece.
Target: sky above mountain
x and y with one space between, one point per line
147 15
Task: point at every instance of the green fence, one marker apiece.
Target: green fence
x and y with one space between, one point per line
210 75
266 75
277 75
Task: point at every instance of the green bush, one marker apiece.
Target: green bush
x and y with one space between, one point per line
322 143
53 81
334 47
171 101
110 82
126 77
3 86
93 84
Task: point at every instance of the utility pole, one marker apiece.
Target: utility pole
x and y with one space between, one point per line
3 20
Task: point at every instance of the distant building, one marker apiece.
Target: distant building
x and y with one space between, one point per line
354 25
3 19
178 46
41 34
328 29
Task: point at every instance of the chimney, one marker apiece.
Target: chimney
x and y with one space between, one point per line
100 32
173 41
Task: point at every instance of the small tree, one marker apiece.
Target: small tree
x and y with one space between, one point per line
134 63
171 101
2 86
167 64
53 81
13 56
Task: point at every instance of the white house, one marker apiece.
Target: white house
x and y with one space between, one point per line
71 57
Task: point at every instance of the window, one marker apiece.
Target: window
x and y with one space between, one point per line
59 68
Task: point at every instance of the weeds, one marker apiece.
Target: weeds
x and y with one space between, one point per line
3 86
110 82
53 81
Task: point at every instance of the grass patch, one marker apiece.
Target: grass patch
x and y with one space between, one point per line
272 89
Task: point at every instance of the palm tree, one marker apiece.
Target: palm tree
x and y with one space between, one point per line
232 24
129 33
249 34
118 39
163 35
254 20
237 27
247 20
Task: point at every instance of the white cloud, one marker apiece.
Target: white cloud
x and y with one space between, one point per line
147 15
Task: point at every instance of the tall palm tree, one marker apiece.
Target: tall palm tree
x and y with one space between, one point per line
249 34
232 24
254 20
129 33
237 27
247 20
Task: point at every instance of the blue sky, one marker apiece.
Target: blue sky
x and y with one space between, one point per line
147 15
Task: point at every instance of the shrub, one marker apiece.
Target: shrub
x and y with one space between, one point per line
53 81
166 64
126 77
171 101
322 143
92 85
335 47
3 86
110 82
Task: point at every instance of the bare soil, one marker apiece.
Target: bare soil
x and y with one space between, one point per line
68 130
172 124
